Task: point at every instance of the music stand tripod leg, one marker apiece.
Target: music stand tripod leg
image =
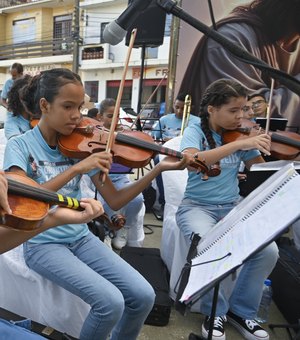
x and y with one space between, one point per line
193 336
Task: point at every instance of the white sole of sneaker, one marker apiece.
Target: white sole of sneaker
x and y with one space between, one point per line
214 337
245 333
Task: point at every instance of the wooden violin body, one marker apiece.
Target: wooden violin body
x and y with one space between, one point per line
284 144
134 149
90 137
27 213
30 202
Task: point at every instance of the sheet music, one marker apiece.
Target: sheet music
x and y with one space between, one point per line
274 165
255 222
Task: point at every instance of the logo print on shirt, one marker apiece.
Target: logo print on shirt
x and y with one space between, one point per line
33 166
50 170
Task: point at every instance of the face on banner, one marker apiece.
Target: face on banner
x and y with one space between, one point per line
189 36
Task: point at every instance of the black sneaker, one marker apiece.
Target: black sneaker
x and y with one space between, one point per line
218 330
250 329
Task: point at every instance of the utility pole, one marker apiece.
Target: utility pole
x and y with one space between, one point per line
76 36
173 54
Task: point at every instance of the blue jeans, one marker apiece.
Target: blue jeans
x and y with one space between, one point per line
244 301
120 298
160 184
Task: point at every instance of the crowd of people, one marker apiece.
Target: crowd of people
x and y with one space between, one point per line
224 91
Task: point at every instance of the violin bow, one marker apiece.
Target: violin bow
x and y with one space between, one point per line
268 116
114 121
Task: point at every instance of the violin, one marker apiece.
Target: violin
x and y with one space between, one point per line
30 202
116 222
134 149
284 144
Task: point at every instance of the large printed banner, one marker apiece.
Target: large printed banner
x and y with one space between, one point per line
189 36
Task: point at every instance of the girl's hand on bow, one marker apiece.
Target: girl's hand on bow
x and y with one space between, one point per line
261 142
99 160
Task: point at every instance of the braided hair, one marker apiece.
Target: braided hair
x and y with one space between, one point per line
217 94
46 84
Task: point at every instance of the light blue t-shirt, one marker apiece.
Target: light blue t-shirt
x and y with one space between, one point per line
221 189
169 126
15 126
31 153
6 88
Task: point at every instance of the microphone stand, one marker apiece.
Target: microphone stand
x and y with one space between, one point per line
290 82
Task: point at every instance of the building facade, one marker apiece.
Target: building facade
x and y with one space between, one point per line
44 34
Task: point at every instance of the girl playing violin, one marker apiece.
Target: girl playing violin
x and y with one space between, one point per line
207 202
69 254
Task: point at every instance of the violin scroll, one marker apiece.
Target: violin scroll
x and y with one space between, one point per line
207 171
114 223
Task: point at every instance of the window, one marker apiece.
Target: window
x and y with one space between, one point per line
112 89
92 89
62 29
62 26
151 52
24 30
149 85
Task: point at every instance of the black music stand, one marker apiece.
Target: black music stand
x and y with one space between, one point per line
256 178
183 279
275 123
181 307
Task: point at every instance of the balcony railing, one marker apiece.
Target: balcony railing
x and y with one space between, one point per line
36 49
92 53
11 3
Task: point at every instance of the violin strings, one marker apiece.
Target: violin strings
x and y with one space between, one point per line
23 188
276 137
147 145
36 193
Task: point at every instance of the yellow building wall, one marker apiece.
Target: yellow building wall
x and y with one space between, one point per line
2 29
44 22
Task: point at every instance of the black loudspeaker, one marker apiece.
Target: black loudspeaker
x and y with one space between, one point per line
150 27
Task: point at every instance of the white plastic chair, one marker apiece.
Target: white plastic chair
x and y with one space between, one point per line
26 293
173 246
